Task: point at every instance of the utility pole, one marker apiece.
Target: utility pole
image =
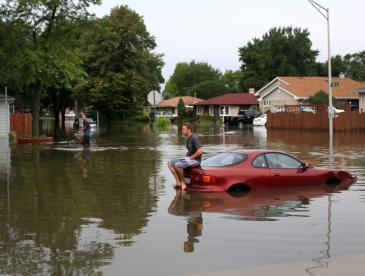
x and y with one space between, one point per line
326 14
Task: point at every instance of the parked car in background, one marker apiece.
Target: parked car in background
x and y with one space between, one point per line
243 117
167 114
260 120
307 109
70 115
338 110
259 169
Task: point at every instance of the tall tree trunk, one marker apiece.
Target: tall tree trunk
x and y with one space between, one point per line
56 108
36 106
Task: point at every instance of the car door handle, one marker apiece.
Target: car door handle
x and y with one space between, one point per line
276 174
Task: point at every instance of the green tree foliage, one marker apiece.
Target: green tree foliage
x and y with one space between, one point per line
188 75
208 89
43 33
120 63
352 65
320 97
231 80
280 52
181 108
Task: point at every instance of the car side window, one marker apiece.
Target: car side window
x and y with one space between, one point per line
259 162
280 160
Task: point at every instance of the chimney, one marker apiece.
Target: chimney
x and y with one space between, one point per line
341 75
251 91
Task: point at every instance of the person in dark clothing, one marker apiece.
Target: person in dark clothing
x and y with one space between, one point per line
86 129
192 159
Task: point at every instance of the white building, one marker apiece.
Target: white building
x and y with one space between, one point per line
5 115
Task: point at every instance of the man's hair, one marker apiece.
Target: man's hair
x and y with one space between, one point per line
188 126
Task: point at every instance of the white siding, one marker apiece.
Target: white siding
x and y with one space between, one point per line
4 156
4 124
362 102
277 97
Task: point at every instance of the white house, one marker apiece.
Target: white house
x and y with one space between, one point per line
287 90
4 115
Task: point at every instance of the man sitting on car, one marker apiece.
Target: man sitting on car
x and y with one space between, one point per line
192 159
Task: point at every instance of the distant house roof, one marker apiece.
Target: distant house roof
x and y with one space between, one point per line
231 99
173 102
304 87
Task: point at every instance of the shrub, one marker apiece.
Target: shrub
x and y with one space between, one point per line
163 122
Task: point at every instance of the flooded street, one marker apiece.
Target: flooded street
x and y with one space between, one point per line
112 209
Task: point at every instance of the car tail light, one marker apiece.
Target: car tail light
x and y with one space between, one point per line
207 179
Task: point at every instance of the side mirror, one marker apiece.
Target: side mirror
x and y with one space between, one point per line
303 167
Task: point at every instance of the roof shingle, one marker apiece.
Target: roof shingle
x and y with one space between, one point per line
231 99
173 102
304 87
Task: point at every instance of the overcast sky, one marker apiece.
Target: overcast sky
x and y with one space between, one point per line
213 30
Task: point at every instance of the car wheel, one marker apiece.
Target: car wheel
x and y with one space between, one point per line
240 124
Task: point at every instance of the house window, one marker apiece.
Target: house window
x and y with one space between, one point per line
199 110
224 110
211 110
266 102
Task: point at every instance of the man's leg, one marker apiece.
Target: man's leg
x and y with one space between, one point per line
173 171
180 173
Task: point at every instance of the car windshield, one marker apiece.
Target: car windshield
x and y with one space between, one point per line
224 159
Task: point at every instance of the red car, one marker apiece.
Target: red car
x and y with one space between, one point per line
256 169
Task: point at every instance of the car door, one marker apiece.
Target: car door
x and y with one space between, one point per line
259 175
286 170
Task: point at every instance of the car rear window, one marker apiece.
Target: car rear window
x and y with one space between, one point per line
224 159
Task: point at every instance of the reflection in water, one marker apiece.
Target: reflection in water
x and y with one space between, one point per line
183 205
261 205
67 214
85 157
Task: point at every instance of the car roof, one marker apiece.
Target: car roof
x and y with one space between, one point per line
256 151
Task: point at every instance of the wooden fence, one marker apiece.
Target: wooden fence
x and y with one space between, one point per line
348 120
21 123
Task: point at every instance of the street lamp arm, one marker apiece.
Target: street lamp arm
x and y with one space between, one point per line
318 7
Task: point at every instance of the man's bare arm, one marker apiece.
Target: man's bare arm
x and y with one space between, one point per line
198 153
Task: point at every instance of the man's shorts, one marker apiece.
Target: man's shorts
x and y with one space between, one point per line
184 163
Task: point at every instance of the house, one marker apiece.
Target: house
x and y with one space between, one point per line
170 105
286 90
226 105
5 115
361 92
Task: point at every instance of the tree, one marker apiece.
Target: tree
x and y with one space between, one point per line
121 66
188 75
181 108
208 89
280 52
355 66
44 57
231 80
320 97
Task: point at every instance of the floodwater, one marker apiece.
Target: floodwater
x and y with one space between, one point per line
112 209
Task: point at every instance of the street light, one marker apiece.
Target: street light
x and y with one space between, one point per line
326 14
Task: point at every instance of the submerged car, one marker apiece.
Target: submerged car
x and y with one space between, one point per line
256 169
260 121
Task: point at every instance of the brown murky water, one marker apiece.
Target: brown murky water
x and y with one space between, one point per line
112 210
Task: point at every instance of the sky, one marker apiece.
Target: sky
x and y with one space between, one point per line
212 31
